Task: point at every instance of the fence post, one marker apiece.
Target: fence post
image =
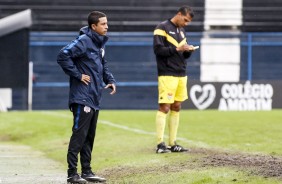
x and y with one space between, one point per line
30 84
250 58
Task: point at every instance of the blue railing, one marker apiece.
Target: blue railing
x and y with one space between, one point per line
120 84
144 39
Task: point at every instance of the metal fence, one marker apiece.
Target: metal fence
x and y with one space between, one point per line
132 61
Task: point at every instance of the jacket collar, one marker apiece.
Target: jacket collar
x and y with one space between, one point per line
169 20
99 40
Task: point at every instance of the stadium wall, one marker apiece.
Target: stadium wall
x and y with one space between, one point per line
132 61
236 38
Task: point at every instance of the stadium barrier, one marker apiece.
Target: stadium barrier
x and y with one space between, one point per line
243 96
132 61
5 99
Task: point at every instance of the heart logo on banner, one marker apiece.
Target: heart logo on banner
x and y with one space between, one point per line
206 98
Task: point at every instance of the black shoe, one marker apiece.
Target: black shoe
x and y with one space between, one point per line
92 177
161 148
178 148
75 178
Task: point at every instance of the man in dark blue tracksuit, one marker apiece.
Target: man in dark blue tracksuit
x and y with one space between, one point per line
83 60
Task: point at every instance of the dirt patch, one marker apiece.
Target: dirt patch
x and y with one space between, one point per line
262 165
123 171
5 138
21 164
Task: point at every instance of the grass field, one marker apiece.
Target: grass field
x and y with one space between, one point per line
226 147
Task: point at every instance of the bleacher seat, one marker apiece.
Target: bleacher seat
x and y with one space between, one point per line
262 16
222 14
123 15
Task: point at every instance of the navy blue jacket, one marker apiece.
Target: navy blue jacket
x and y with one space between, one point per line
85 55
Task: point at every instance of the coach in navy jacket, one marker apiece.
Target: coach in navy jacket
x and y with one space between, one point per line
85 55
83 60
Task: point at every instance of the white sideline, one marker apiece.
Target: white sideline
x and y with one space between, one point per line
139 131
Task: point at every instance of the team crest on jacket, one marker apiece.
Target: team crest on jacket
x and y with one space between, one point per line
87 109
182 34
102 52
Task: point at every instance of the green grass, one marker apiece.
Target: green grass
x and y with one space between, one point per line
126 155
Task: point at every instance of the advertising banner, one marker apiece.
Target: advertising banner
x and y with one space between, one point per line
241 96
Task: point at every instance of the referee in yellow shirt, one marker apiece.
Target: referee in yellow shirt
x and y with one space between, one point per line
171 50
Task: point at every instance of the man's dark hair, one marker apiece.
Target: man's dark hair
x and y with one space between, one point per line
184 10
93 17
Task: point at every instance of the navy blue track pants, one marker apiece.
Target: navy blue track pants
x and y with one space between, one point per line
82 139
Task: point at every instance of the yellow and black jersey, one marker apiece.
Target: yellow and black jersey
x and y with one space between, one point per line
166 38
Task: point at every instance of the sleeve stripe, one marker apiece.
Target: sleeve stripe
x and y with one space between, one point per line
170 39
160 32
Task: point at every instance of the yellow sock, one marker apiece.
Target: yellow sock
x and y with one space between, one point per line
160 126
173 123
